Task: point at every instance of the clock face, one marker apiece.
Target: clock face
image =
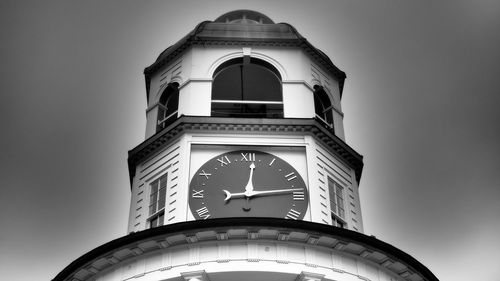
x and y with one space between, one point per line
247 183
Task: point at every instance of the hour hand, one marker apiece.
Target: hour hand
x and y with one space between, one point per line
230 195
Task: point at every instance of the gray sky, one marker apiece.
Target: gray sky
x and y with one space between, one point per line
421 104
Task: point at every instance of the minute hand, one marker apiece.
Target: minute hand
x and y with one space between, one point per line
274 191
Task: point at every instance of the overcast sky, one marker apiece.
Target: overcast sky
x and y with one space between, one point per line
421 105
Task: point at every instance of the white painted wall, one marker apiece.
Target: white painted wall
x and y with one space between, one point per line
298 100
253 260
183 158
195 98
195 69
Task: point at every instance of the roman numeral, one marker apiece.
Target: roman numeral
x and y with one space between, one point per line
298 195
197 193
203 173
203 213
249 157
292 214
222 162
290 176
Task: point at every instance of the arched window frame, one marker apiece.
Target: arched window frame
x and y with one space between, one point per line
266 108
168 106
323 106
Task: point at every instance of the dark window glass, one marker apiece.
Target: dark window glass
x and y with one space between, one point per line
247 89
336 192
154 222
338 223
247 110
168 106
157 198
323 106
227 84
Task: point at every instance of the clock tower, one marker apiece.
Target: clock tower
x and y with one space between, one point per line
245 172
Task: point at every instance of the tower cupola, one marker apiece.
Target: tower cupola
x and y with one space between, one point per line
244 173
243 113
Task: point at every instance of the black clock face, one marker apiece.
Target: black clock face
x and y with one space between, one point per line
247 183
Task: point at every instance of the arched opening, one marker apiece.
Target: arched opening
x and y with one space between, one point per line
323 106
245 87
168 106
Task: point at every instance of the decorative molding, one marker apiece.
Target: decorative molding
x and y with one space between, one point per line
338 270
363 278
126 249
387 263
253 235
253 252
196 124
247 51
194 256
340 246
222 253
309 276
310 257
113 260
137 251
365 253
199 275
282 254
222 236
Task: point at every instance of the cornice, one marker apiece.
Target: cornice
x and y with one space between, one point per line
209 33
225 230
246 126
174 51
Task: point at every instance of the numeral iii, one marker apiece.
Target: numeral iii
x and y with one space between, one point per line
203 213
298 195
292 214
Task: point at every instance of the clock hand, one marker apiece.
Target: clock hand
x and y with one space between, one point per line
249 187
275 191
230 195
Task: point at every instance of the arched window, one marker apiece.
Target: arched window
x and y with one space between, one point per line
168 105
245 87
323 106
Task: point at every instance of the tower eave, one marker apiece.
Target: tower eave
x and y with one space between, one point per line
216 33
306 126
307 234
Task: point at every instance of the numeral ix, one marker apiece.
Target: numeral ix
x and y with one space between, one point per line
197 193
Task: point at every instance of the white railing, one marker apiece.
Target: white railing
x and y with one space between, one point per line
247 102
328 125
163 123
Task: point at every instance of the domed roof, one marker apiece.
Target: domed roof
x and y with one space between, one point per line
243 27
244 16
